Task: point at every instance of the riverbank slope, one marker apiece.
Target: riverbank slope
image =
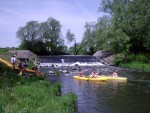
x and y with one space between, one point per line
138 62
32 94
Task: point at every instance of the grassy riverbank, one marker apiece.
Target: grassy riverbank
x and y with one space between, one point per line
138 62
137 66
32 95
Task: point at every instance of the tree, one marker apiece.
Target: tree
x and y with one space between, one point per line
130 24
88 41
102 31
77 47
113 6
136 25
51 34
29 32
42 38
28 35
70 38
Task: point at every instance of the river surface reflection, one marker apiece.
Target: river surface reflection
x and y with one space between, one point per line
132 96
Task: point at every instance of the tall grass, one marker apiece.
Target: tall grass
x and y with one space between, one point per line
33 95
132 61
137 65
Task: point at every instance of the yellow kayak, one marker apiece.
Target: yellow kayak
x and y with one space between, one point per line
113 78
16 68
103 78
89 78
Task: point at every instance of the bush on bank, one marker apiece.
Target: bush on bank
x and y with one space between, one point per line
132 61
32 95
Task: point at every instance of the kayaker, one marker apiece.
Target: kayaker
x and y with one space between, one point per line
80 73
93 74
114 74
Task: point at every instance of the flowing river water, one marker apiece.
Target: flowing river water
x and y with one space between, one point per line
113 96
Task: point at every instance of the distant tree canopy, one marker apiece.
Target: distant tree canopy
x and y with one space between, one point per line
42 38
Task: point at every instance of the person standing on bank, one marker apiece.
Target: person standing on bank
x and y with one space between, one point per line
13 61
26 63
21 68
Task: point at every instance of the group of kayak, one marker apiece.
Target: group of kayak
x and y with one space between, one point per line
94 74
98 76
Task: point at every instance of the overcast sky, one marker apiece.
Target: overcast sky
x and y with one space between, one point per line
72 15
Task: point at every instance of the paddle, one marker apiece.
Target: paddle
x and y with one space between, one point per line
89 78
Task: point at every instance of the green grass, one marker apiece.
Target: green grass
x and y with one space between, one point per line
36 97
133 61
137 65
3 50
33 95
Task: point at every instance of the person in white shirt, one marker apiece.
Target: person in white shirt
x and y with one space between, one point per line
13 60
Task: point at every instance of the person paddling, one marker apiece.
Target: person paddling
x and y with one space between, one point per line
80 73
94 74
114 74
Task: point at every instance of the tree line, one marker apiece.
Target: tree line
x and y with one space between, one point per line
124 29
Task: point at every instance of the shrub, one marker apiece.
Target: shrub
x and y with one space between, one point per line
141 58
130 57
118 59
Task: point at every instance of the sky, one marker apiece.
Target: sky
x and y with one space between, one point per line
72 14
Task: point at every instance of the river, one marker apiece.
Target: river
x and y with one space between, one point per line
131 96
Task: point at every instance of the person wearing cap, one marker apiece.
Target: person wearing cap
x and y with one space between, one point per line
13 60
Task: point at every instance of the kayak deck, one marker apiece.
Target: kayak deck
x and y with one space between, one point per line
89 78
113 78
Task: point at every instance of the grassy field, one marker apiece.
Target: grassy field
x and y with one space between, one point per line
3 50
20 94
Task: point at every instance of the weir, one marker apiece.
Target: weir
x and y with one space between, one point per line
69 60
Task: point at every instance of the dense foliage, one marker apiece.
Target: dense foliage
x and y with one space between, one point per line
125 28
